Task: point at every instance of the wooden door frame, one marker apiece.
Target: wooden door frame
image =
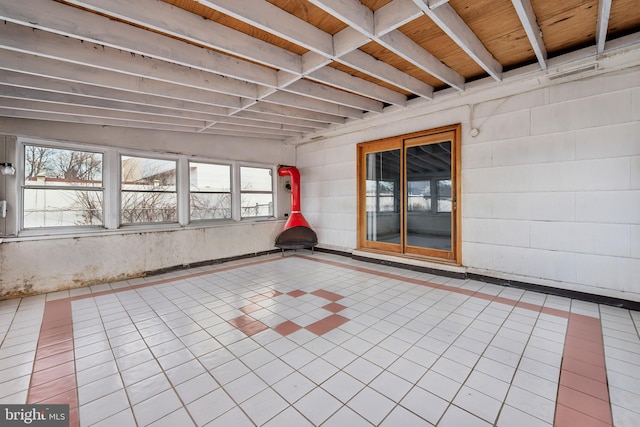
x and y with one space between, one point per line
450 257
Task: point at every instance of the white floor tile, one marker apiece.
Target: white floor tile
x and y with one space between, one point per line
425 404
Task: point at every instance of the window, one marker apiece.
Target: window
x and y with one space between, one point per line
256 192
210 191
61 187
148 190
407 192
76 188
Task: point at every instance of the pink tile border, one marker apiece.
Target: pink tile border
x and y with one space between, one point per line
583 395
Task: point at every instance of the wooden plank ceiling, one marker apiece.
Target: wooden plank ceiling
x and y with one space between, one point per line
277 69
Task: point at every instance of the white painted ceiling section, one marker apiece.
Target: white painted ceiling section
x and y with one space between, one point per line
147 64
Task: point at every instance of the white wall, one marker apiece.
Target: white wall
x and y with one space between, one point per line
550 186
44 264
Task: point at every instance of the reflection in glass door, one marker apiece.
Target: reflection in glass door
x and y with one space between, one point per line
383 196
428 172
408 190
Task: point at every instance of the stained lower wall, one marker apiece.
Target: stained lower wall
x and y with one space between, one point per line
550 186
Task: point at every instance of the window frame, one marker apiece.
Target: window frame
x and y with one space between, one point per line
22 186
230 192
111 191
121 191
272 192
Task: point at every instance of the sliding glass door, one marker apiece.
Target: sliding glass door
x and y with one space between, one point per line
408 192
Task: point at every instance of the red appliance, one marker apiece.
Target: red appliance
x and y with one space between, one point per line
297 232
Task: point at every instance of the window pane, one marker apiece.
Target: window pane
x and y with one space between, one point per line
383 217
210 178
425 164
255 179
148 206
53 207
140 174
256 205
210 206
59 167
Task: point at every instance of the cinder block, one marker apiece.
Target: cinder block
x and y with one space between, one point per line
477 255
503 126
535 149
558 206
635 241
555 236
551 265
615 273
599 110
592 86
476 156
588 175
617 140
496 231
614 207
476 205
635 172
590 238
496 180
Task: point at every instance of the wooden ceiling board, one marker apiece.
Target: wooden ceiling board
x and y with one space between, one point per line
367 77
624 18
310 13
382 54
496 24
194 7
566 24
431 38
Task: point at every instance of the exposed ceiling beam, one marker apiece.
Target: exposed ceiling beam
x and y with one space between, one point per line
67 21
604 10
361 18
71 72
530 25
267 17
40 43
178 23
450 22
184 25
437 3
385 72
50 84
340 97
289 26
342 80
76 23
393 15
293 100
281 110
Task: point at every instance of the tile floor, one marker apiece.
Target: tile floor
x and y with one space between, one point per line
310 340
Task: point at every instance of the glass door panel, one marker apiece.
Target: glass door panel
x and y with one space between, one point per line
407 194
428 214
382 192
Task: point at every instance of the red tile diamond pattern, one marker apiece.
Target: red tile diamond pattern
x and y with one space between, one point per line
249 326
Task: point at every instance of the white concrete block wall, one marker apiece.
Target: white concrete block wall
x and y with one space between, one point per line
551 185
328 192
